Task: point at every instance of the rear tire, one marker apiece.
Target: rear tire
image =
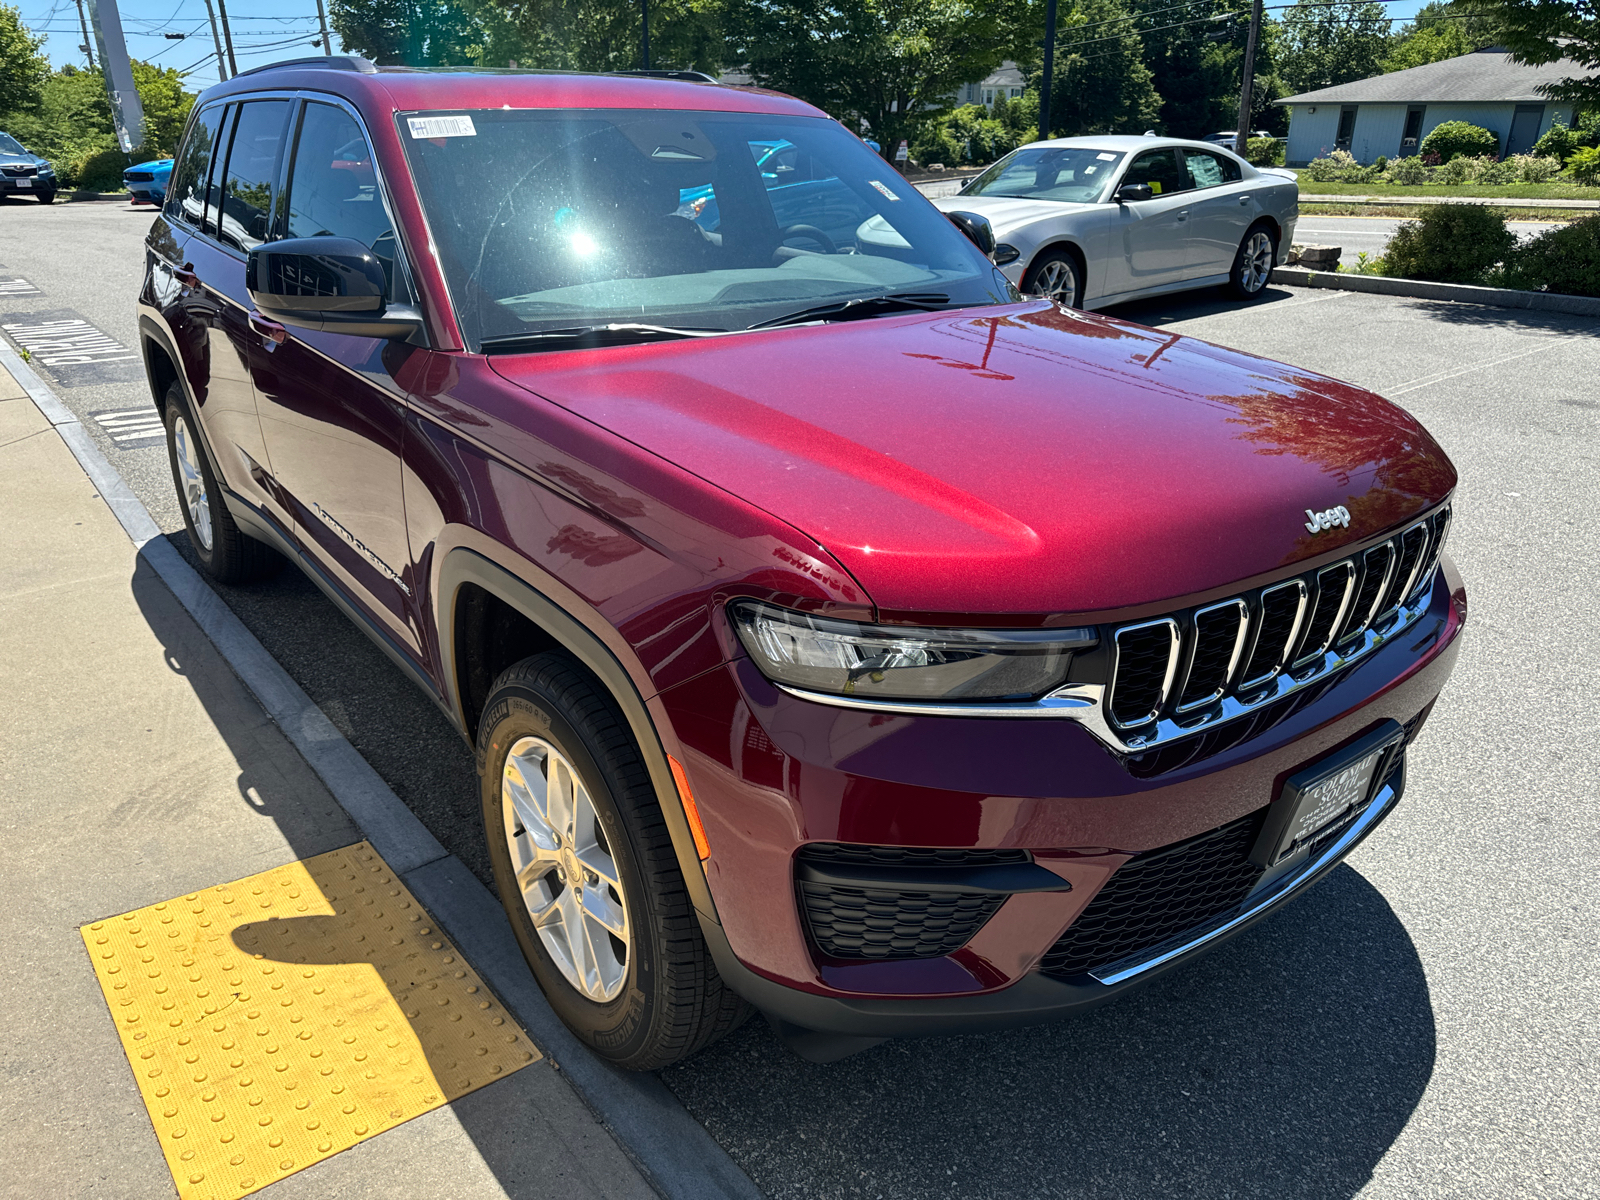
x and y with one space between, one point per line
1253 262
1055 275
651 996
226 553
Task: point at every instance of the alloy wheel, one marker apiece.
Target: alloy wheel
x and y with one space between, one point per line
1255 264
564 868
1058 281
194 482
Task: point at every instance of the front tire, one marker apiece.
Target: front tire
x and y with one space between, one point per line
226 553
1253 262
1055 275
47 197
586 870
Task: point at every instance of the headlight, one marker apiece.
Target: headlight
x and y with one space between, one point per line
904 662
46 169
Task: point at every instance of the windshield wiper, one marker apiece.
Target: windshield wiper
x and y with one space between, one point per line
622 333
861 306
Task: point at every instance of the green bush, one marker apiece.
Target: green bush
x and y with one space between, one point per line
1535 168
1584 166
1453 139
1408 172
1381 163
1449 243
1558 142
1463 170
100 170
1340 167
1263 152
1565 259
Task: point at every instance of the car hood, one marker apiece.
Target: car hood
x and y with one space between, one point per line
157 164
1015 460
1007 213
30 160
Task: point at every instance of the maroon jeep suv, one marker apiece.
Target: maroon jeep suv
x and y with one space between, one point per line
841 635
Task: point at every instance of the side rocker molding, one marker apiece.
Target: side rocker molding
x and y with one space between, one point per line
463 566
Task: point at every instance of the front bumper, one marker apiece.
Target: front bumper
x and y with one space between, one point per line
27 185
773 773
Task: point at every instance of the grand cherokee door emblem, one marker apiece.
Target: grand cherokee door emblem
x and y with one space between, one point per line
1328 518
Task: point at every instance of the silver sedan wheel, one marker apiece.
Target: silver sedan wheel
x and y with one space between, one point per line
1057 280
193 482
1255 263
564 869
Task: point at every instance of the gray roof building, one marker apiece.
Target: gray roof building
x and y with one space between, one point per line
1391 114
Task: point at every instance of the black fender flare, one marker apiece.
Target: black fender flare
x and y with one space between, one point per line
462 565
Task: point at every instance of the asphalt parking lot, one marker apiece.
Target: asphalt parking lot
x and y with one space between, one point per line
1422 1025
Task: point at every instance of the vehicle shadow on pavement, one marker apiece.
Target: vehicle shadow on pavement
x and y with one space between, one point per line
1186 306
532 1133
1506 320
1284 1064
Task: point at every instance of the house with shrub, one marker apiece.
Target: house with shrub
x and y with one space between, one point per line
1390 115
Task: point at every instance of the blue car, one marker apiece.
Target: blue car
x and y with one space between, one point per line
23 173
147 182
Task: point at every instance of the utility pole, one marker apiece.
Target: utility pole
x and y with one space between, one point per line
644 6
127 112
1049 67
216 38
88 44
1246 93
227 37
322 19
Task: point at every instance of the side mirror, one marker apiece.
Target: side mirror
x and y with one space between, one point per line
978 230
1133 192
327 283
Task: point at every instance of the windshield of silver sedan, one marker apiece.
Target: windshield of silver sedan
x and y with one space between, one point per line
554 223
1072 174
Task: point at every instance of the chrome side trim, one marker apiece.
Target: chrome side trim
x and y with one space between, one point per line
1085 702
1239 639
1275 893
1174 649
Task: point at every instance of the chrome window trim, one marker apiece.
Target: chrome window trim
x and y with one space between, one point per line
1174 649
1349 568
1239 640
1289 642
1254 905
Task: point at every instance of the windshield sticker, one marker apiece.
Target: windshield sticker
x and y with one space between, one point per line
883 189
1106 157
441 127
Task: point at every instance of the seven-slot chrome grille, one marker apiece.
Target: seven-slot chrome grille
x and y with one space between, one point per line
1173 675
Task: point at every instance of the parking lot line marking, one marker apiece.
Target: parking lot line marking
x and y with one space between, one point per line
1428 380
277 1020
129 428
18 286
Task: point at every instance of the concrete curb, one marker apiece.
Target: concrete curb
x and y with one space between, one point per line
1383 285
671 1149
1492 201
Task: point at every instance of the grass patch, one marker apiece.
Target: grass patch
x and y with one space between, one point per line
1408 212
1509 191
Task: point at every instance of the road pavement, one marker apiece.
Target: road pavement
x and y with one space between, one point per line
1422 1025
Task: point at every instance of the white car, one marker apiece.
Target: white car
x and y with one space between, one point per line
1094 221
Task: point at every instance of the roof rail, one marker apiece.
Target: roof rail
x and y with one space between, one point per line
335 62
690 76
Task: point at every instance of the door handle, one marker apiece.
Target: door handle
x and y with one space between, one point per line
1244 199
271 332
185 275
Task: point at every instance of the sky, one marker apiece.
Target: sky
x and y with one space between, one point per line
262 31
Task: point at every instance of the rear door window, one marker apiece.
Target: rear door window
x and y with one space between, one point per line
1210 170
333 186
258 137
186 194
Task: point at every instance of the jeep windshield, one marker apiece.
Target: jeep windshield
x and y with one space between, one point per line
558 221
1072 174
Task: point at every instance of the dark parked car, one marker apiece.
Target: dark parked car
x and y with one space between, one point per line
23 173
839 634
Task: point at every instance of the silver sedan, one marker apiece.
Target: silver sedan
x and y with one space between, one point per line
1094 221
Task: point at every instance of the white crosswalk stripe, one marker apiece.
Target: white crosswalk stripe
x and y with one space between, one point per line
130 426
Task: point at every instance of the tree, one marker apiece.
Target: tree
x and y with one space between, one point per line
887 65
1548 32
1102 84
73 117
1440 30
23 69
1325 44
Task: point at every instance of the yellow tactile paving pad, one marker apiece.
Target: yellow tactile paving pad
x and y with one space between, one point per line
280 1019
